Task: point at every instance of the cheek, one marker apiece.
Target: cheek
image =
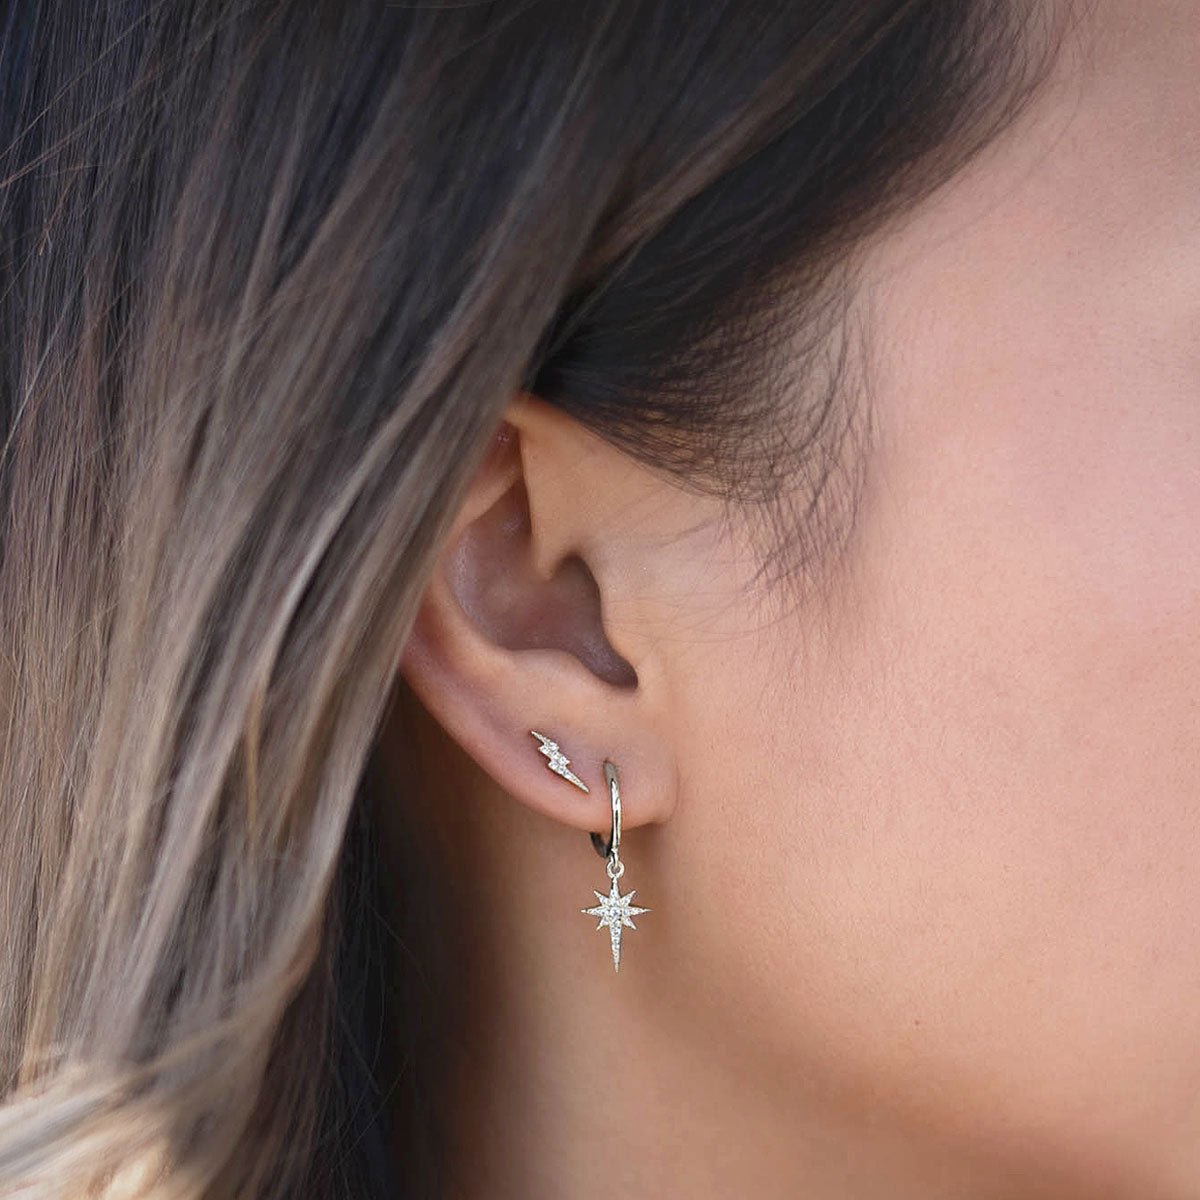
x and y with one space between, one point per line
958 839
955 821
1067 431
1107 496
1010 859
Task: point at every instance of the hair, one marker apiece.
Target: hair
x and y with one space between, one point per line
270 272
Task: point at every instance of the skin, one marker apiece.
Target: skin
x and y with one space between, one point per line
922 854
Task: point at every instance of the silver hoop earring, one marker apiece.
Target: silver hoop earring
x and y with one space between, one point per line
613 910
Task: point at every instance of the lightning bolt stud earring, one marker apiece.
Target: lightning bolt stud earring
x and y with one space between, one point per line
613 910
558 762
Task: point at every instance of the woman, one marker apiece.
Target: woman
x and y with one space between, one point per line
434 430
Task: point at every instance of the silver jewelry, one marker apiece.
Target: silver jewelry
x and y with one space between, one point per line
613 910
558 761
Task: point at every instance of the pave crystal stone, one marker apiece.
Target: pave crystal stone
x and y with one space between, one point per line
558 762
615 911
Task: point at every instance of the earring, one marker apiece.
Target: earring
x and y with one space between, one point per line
558 761
613 910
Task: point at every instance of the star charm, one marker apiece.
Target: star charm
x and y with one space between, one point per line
615 911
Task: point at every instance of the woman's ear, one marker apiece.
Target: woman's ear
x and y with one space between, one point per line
511 634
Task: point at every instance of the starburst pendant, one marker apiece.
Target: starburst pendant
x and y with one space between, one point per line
615 911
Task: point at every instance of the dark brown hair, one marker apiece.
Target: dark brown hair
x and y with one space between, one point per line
269 273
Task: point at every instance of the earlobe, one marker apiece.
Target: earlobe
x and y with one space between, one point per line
505 644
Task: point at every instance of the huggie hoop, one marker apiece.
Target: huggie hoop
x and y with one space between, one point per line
613 845
613 910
